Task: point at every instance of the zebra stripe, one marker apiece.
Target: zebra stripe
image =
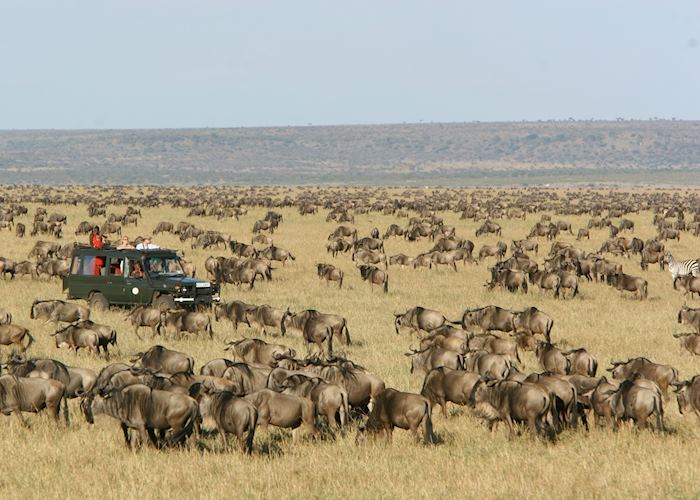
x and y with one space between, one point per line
682 268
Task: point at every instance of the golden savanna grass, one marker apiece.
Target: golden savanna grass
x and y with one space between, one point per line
88 461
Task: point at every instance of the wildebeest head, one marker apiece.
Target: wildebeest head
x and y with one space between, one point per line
682 397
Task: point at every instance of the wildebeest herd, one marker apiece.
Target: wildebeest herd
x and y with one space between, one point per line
165 397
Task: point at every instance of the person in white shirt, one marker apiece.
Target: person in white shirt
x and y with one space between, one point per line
146 245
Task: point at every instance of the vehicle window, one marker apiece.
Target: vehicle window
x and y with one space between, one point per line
75 266
135 269
164 266
93 265
116 266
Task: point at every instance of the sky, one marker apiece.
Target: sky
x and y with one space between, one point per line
83 64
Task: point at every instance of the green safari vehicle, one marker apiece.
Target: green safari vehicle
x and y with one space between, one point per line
133 277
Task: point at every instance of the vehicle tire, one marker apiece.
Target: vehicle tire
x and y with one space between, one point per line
164 302
98 302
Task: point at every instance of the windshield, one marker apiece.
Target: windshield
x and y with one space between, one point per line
163 266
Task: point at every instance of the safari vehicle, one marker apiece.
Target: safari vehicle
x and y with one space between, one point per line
134 277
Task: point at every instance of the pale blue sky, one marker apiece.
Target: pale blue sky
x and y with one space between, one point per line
173 63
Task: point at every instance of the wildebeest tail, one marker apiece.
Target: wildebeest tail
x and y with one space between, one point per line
347 332
210 330
66 414
550 325
329 333
30 340
659 412
344 409
386 284
187 429
428 436
253 423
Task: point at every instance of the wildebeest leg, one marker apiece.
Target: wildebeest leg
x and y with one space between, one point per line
151 436
125 431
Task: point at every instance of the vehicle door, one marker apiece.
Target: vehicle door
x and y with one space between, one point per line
87 273
136 289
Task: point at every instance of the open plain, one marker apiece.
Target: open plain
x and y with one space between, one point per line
469 461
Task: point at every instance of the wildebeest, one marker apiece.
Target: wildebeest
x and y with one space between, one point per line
145 410
494 345
489 318
689 341
489 227
277 254
375 276
533 321
690 317
337 324
163 227
690 284
583 233
511 401
144 316
493 366
564 396
235 311
552 359
688 395
163 360
442 385
419 319
343 231
176 321
433 357
15 335
546 281
58 311
283 410
581 362
230 415
662 375
404 410
330 400
338 245
260 317
510 279
259 351
498 250
76 338
637 401
629 283
330 273
22 394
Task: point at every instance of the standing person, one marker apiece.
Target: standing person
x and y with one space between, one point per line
97 241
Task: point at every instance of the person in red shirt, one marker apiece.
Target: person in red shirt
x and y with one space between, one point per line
97 241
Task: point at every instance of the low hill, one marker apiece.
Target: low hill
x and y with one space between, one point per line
633 152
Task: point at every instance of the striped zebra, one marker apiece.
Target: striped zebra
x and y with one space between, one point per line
682 268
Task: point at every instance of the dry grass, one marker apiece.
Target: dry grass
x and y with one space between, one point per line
84 460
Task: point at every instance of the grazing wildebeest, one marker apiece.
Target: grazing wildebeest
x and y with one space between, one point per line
163 360
419 319
583 233
259 317
76 338
510 279
343 232
404 410
690 284
434 357
498 250
690 317
284 410
338 245
689 342
330 273
375 276
176 321
533 321
663 375
32 394
524 246
489 227
58 311
276 254
14 335
629 283
511 401
688 395
164 227
443 385
145 410
400 260
230 415
494 345
259 351
234 311
337 324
